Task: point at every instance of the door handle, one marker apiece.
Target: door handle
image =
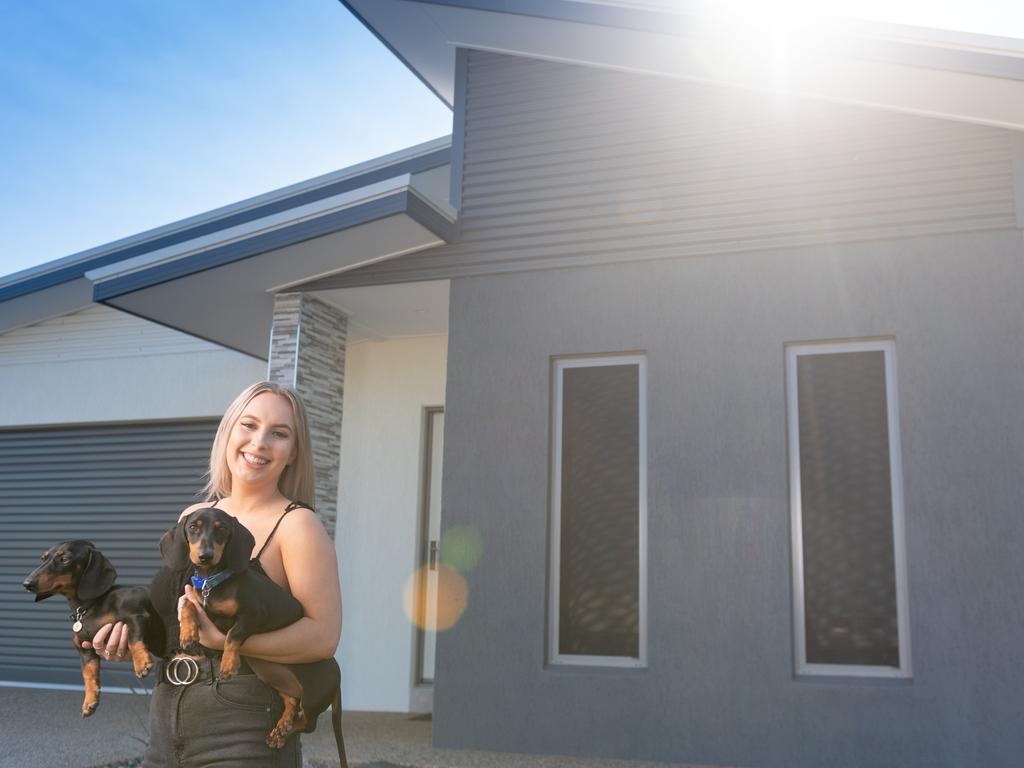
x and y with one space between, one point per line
433 555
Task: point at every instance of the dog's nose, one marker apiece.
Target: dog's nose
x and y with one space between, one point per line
29 585
205 557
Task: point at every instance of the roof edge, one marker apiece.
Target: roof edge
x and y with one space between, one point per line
420 157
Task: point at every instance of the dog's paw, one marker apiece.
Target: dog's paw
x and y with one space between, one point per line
142 662
189 644
230 663
88 707
279 735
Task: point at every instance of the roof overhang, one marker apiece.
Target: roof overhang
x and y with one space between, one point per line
215 276
221 287
958 76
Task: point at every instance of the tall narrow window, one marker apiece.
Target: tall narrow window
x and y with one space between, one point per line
849 569
599 525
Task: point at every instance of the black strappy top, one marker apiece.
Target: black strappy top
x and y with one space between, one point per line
255 562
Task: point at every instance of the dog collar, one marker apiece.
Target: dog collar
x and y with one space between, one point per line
206 585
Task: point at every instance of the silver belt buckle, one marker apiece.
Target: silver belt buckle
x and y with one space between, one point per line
182 670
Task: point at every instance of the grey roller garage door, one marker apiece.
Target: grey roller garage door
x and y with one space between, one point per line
120 486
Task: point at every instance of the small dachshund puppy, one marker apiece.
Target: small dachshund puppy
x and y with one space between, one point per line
214 550
80 572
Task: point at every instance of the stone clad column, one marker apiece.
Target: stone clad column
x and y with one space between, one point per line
307 353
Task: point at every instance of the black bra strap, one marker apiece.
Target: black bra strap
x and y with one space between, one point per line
289 508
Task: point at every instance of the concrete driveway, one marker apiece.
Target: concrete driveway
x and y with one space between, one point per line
42 728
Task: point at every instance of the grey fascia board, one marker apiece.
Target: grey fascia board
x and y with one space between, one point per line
406 201
48 303
891 43
397 54
603 15
422 211
413 160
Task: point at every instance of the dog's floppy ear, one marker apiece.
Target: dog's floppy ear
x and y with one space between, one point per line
238 551
98 577
174 547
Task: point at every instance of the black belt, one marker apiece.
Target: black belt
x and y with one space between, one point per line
185 670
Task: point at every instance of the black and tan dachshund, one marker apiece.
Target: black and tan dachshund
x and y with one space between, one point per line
80 572
212 545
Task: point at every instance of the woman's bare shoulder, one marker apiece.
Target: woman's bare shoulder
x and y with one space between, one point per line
303 521
304 536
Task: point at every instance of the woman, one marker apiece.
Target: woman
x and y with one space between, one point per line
259 464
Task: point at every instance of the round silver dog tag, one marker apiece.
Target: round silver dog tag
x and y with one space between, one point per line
76 627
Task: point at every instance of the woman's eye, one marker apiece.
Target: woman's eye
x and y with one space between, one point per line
281 434
249 426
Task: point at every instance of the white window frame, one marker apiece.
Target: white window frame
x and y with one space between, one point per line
794 351
560 365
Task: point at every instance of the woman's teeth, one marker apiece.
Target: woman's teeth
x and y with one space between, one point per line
254 460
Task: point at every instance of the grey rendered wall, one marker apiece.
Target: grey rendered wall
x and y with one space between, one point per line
720 686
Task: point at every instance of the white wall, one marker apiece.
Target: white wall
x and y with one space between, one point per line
99 365
387 386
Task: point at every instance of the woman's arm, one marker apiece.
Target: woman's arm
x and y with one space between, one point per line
116 635
311 567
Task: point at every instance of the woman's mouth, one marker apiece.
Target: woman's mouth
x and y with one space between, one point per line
253 460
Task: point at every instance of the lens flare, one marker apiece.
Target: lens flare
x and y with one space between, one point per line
461 547
434 599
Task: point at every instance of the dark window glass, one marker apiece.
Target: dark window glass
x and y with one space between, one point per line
846 502
599 601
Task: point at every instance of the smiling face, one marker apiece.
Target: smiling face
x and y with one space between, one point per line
262 440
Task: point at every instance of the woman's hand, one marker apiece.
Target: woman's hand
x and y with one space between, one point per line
110 642
209 635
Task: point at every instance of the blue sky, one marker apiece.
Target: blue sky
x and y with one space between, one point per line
117 116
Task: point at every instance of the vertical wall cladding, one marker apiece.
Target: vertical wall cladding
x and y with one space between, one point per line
566 164
839 223
307 352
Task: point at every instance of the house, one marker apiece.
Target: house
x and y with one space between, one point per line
728 366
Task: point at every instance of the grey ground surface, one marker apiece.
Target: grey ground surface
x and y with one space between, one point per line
44 729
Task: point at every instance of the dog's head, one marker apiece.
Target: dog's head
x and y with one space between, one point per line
74 569
210 540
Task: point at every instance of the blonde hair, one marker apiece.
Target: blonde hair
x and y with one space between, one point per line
296 482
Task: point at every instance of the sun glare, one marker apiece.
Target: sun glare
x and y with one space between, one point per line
999 18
